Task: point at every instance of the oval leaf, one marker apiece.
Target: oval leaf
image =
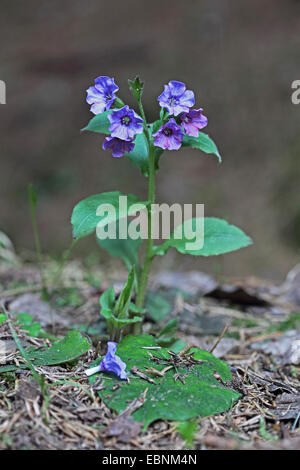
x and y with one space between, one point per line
139 156
99 123
200 393
219 238
85 219
202 142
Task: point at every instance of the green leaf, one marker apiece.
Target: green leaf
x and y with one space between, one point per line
117 314
140 154
170 329
187 430
219 238
136 86
119 322
65 350
201 394
97 329
85 219
3 317
107 304
72 346
176 345
154 126
168 339
118 103
134 309
99 123
122 305
33 328
202 142
127 250
107 299
157 306
158 154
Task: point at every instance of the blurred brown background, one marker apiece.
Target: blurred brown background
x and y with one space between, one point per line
240 58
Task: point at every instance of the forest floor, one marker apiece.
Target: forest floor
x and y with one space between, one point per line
252 325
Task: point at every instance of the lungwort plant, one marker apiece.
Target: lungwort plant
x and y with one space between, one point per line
128 134
175 382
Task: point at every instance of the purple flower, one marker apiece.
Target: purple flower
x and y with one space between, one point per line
176 98
193 121
102 95
125 123
118 146
112 362
169 136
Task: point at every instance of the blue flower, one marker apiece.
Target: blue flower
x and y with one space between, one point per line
125 123
169 136
193 121
110 363
102 95
118 146
176 98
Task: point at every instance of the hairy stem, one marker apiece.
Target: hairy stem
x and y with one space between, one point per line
143 279
149 243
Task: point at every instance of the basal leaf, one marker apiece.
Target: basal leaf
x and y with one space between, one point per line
62 351
201 394
72 346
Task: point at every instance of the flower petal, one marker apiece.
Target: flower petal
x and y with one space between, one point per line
176 88
112 362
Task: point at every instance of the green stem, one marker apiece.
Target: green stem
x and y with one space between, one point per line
143 280
149 243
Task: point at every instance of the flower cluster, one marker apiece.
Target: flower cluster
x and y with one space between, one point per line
124 122
177 100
